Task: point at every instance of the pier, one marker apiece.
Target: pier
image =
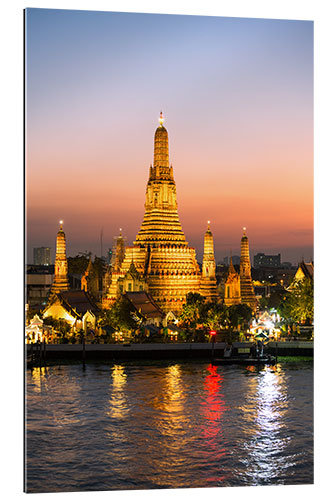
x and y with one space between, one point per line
159 351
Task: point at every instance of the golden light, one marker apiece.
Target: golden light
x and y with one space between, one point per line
161 119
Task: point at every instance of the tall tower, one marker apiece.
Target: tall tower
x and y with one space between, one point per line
161 220
160 252
208 286
60 281
247 293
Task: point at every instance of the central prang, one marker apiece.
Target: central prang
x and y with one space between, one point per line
165 265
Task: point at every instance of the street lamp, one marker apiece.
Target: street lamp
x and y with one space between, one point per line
213 336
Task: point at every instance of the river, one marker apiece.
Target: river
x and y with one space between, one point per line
168 425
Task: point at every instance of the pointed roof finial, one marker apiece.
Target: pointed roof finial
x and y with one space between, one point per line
61 223
244 231
161 119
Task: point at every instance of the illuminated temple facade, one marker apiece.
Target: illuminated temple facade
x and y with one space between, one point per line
232 293
161 261
238 288
60 280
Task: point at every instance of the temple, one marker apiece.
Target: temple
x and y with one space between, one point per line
232 293
60 281
238 288
208 286
246 287
160 261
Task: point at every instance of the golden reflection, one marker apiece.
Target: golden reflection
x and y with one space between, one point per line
265 449
118 404
170 405
44 381
172 422
39 376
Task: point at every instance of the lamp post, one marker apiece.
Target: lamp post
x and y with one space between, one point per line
83 340
213 335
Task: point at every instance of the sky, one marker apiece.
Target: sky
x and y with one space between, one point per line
237 96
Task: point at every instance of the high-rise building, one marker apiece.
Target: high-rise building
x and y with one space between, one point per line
60 281
247 292
160 253
42 256
263 260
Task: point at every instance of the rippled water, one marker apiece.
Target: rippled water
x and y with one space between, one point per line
168 425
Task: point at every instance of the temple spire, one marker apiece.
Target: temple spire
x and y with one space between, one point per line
60 281
161 146
208 280
231 266
247 291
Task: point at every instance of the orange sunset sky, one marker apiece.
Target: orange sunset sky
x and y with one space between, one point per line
237 96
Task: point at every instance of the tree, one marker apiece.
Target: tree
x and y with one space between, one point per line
192 310
239 314
213 314
298 306
121 316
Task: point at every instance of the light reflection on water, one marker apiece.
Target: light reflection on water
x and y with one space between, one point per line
127 426
265 450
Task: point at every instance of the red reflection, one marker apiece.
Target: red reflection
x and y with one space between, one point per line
213 405
212 430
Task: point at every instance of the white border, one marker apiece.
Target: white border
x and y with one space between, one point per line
12 235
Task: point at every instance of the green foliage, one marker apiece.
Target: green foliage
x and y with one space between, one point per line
213 315
59 325
192 310
298 305
238 315
120 316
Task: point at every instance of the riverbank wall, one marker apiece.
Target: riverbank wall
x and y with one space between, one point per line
184 351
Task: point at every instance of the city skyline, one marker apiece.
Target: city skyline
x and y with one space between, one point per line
237 100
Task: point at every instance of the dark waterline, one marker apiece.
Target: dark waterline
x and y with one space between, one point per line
168 425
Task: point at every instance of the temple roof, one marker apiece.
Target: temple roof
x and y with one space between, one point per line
144 303
307 269
77 302
231 269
